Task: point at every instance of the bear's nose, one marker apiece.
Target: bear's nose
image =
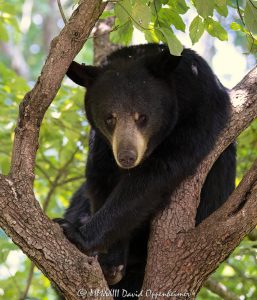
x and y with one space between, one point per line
127 158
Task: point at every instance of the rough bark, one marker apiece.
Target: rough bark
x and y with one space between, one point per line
180 256
20 214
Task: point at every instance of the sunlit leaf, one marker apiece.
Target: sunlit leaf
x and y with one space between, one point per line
141 15
123 10
172 41
196 29
250 15
205 7
123 33
215 29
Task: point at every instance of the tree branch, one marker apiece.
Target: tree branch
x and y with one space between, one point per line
191 254
28 283
20 214
53 185
220 290
102 44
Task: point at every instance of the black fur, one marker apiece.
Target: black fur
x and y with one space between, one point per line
186 108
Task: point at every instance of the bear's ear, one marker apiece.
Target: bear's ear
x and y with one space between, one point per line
81 74
163 63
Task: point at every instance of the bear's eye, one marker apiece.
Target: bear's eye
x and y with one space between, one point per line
110 121
141 120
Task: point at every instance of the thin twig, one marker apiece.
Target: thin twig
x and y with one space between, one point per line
253 4
44 173
29 281
241 274
242 20
70 180
55 183
62 12
239 12
220 290
12 277
107 32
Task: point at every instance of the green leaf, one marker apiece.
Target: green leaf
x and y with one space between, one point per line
205 7
5 167
123 10
196 29
174 44
156 6
168 16
107 14
177 21
235 26
144 2
250 16
215 29
8 245
150 36
3 33
12 21
141 15
179 6
123 34
222 10
251 44
221 2
160 1
8 8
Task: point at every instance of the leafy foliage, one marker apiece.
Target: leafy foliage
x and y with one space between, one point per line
196 29
7 17
160 19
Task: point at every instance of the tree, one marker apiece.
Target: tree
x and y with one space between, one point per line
44 242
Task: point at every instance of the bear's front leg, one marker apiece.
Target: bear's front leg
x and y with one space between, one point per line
138 195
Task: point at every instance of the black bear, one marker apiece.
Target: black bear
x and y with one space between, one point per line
153 118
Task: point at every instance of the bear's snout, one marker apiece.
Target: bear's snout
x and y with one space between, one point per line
127 158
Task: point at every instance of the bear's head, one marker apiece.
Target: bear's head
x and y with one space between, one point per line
133 105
